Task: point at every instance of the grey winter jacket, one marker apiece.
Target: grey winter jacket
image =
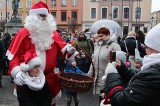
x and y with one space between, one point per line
100 59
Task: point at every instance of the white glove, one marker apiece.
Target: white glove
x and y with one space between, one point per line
71 49
56 71
101 104
19 80
110 69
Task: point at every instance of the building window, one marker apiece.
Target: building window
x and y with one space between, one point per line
74 2
0 16
7 2
125 30
53 14
64 3
29 4
145 30
20 4
104 12
53 3
126 12
138 13
74 15
115 12
93 13
63 16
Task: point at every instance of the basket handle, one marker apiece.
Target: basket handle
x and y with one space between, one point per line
90 59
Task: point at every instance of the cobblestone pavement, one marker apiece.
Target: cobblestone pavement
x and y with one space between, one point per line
8 99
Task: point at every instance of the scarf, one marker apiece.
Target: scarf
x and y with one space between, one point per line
35 83
150 60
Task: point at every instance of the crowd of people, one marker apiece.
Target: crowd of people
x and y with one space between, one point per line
33 56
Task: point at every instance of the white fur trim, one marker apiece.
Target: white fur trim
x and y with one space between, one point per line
34 62
64 49
15 70
56 98
39 11
73 55
9 55
24 67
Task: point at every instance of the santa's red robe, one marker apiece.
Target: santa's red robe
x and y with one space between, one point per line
22 44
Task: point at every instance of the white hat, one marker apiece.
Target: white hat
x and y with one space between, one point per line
153 37
39 8
121 56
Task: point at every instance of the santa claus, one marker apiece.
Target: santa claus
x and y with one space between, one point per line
39 35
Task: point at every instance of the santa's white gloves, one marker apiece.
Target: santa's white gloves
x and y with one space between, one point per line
111 68
19 80
71 49
56 71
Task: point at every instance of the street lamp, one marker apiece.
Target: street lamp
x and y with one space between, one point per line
152 20
6 11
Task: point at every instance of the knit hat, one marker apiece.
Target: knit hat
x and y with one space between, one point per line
152 38
69 63
39 8
30 61
121 56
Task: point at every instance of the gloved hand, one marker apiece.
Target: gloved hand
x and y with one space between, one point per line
110 69
71 49
19 80
56 71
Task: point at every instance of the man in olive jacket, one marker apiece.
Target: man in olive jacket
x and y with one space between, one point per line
143 89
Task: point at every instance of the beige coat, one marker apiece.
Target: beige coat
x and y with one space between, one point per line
100 59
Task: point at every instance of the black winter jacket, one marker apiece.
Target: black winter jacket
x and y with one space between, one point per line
131 45
142 90
28 97
2 54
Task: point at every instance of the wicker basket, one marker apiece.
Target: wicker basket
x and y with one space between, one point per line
76 82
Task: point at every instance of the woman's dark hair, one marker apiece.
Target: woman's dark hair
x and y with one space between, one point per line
104 31
141 36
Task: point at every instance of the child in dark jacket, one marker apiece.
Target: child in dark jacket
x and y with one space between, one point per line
36 91
83 62
71 67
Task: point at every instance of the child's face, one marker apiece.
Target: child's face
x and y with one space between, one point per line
73 63
34 72
83 55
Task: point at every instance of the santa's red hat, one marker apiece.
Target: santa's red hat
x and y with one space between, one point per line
39 8
30 61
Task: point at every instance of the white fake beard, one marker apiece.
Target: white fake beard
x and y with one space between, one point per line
41 31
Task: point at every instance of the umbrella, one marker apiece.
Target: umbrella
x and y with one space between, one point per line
110 24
